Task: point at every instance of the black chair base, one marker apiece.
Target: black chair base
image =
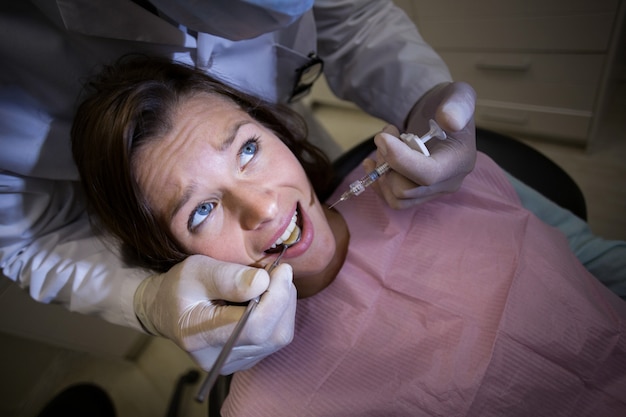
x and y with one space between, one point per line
534 169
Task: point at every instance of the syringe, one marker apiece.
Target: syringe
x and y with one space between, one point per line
358 186
414 142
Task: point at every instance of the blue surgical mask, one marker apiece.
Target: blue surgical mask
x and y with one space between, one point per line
235 19
290 8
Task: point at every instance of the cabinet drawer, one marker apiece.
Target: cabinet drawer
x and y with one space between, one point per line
590 33
509 8
567 126
555 80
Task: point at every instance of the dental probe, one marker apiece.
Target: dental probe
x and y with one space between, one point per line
210 379
414 142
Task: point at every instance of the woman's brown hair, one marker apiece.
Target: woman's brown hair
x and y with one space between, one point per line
131 103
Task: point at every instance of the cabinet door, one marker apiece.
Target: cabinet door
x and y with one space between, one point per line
579 25
509 8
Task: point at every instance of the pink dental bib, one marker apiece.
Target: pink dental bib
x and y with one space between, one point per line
464 306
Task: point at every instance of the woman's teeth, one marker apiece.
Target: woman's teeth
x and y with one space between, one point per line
290 235
295 236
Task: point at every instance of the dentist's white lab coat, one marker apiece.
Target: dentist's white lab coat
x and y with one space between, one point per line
373 56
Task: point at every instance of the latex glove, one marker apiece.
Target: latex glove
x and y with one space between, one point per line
186 305
416 178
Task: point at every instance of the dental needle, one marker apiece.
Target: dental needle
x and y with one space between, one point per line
210 379
414 142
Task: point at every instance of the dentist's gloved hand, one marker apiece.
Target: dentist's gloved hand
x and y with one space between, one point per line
416 178
186 305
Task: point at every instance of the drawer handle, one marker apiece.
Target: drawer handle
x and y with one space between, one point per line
522 65
512 120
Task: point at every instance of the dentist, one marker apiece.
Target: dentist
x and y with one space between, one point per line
371 54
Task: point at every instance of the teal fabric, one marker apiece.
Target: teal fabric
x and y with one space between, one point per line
605 259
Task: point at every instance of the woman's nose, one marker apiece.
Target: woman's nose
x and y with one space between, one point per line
255 206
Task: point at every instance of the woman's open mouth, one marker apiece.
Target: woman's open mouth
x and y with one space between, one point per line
290 236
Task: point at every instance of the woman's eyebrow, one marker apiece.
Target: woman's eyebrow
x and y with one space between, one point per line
232 134
182 200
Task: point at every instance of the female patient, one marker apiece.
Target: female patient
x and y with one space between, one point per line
463 306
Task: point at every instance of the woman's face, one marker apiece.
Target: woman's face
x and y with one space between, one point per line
229 188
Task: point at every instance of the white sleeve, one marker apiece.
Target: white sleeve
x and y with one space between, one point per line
375 57
46 242
48 247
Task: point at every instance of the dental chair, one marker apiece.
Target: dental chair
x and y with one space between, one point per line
518 159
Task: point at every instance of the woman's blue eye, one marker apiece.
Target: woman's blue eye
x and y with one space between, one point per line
199 215
248 150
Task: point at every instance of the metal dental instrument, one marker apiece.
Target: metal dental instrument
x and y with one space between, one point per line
414 142
211 378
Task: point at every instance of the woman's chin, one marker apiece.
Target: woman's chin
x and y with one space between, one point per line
325 258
